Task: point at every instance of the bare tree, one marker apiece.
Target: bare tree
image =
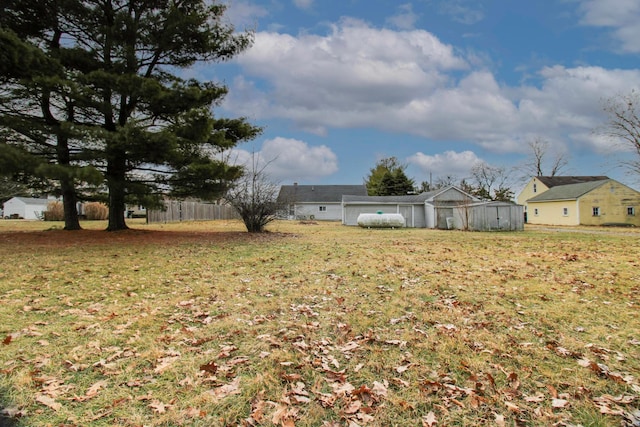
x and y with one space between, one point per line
254 197
537 164
492 182
624 125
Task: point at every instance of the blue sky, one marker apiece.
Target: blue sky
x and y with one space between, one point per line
439 84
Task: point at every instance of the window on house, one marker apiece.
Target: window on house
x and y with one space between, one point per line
596 211
631 211
535 211
565 211
535 188
322 208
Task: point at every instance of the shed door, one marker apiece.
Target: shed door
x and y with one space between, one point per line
499 217
443 214
407 212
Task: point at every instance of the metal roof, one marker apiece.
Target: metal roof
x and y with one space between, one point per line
568 192
318 193
554 181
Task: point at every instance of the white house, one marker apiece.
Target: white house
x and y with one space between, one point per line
322 202
25 208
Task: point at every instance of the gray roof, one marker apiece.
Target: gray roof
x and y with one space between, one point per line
567 192
412 198
554 181
318 193
32 201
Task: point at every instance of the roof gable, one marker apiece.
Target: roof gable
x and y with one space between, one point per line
318 193
568 192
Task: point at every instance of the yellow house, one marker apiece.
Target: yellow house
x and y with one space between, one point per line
591 202
539 184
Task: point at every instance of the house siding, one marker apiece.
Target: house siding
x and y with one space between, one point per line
551 213
333 211
527 193
613 199
25 208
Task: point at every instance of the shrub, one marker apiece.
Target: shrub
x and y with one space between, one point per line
96 211
54 212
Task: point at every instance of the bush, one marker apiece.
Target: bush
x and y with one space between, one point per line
96 211
54 212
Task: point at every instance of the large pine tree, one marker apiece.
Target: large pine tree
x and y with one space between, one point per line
117 102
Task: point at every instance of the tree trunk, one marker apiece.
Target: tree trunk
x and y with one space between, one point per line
67 187
116 180
69 202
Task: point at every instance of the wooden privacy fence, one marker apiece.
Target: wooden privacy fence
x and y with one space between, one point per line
191 211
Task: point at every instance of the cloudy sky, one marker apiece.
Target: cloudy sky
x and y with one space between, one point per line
439 84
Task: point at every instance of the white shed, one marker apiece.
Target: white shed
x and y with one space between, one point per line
25 208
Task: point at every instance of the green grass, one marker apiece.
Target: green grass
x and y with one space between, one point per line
201 324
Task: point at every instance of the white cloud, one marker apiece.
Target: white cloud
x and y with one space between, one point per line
303 4
461 13
405 19
243 14
409 82
288 159
449 163
621 16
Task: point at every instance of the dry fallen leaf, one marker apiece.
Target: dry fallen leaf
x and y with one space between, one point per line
559 403
429 420
158 406
49 402
227 390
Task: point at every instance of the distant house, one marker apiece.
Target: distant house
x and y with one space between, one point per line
447 208
322 202
25 208
588 200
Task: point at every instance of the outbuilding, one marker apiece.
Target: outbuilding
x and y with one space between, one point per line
25 208
446 208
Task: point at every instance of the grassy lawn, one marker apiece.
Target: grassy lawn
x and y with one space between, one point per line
201 324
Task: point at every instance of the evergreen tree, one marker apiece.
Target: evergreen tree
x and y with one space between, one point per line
388 178
117 103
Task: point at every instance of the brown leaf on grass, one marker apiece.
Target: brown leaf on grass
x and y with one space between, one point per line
291 377
403 368
210 367
559 403
164 364
512 407
91 392
7 340
158 406
284 416
513 380
353 407
227 390
380 389
429 420
48 401
192 412
95 388
539 397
